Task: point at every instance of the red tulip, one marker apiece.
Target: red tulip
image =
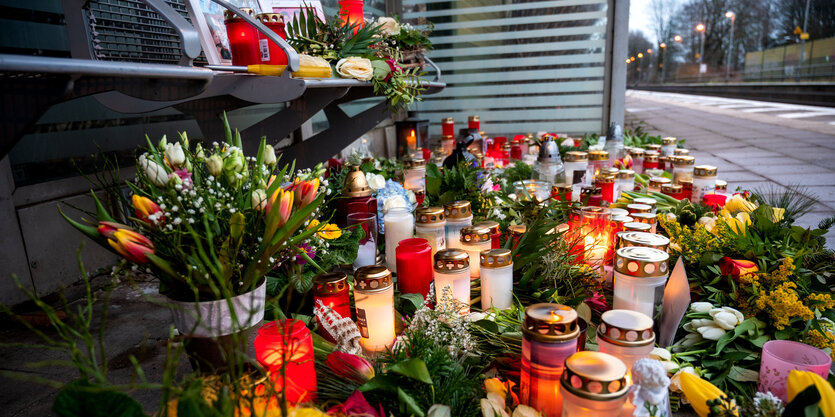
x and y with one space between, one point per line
737 267
284 199
145 207
133 246
350 366
305 191
357 405
107 229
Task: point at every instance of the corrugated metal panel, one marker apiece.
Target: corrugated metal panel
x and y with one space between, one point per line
521 65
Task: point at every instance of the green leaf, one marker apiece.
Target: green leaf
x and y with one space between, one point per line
487 325
412 368
409 303
83 399
411 405
805 403
192 404
743 375
380 382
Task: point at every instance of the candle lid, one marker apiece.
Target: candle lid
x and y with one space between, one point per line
721 185
475 234
636 227
595 376
598 155
547 322
562 189
647 240
448 120
372 278
619 212
658 181
329 283
451 260
587 191
604 178
654 147
355 183
457 210
668 141
270 18
620 220
639 261
681 152
646 200
626 328
648 218
414 163
495 258
638 208
517 229
593 212
705 171
686 183
549 150
650 156
472 118
429 215
576 156
636 152
671 188
228 14
684 160
490 224
626 174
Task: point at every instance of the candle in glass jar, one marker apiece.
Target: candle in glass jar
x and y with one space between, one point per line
607 187
357 196
414 261
591 196
414 174
549 336
593 384
367 249
475 239
448 126
655 183
516 231
458 216
288 344
636 227
496 279
399 224
532 190
651 202
673 190
596 233
704 181
648 218
650 161
243 39
452 278
721 187
648 240
668 146
640 276
576 164
430 224
271 53
597 161
687 189
495 232
626 335
562 192
682 168
374 302
332 290
637 155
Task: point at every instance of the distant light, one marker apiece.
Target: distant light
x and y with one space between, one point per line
700 28
677 38
640 55
729 14
649 51
663 45
628 60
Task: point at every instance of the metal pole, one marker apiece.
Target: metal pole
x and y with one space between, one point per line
663 64
730 51
803 41
702 53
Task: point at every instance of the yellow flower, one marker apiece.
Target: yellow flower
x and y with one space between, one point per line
783 304
800 380
494 385
306 412
820 301
699 392
822 340
327 231
738 204
777 214
737 223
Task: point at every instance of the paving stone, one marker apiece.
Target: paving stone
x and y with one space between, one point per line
803 179
822 193
787 169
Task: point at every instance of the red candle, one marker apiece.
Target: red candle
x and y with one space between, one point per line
516 232
414 266
350 11
607 187
243 40
650 160
473 123
356 197
332 290
515 152
448 126
561 192
715 201
574 237
285 348
495 233
271 53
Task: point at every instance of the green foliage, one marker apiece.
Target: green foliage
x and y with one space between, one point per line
329 39
461 182
793 198
519 171
81 398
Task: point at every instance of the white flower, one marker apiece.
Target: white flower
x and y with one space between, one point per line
675 381
726 317
154 171
395 201
388 25
660 354
259 199
525 411
375 181
269 156
567 142
412 197
690 339
355 67
711 332
215 165
671 217
696 323
708 222
487 186
175 155
488 409
701 307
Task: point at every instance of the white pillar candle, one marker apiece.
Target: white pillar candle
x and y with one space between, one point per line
496 279
374 301
475 239
640 275
452 272
458 216
400 225
430 224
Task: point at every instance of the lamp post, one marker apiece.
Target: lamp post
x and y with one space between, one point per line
701 28
732 16
678 39
640 73
803 37
649 67
663 65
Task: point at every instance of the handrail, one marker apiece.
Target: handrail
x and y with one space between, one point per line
292 55
189 36
75 66
437 69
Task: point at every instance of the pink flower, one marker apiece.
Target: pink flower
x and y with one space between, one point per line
350 366
394 67
597 302
185 177
357 406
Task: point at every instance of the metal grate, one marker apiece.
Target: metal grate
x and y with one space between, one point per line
129 30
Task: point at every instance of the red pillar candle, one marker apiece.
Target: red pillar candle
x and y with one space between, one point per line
715 201
650 160
473 122
607 187
243 40
516 232
561 192
448 126
350 11
285 348
414 266
271 53
686 189
332 290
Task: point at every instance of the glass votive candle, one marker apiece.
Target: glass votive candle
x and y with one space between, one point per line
367 249
399 225
532 190
683 168
721 187
414 261
615 229
619 211
655 184
597 161
655 147
640 276
332 290
516 231
673 190
650 161
288 344
596 235
704 181
647 240
475 239
681 152
272 54
549 336
625 182
607 186
780 357
576 164
448 126
637 155
651 202
495 232
562 192
593 384
636 227
668 146
686 189
430 224
448 144
638 208
414 174
591 196
374 302
649 218
452 278
243 39
496 279
626 335
458 216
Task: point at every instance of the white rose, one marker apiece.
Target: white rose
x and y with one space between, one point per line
154 171
388 25
375 181
567 142
708 222
175 155
259 199
355 67
269 156
701 307
412 196
660 354
726 317
395 202
711 332
488 409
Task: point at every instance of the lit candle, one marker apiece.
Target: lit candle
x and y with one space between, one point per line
495 232
628 336
374 300
649 218
496 279
595 230
475 239
549 336
414 174
458 216
285 348
452 274
593 385
399 224
648 240
351 13
414 261
332 290
411 142
640 276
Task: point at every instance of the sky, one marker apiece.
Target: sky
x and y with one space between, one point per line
639 18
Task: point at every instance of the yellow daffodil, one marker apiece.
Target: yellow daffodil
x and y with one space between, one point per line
699 392
738 204
738 223
800 380
329 231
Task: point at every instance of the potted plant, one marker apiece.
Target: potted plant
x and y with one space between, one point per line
210 223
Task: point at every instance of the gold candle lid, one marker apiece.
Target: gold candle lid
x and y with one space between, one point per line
646 200
447 137
429 215
638 208
721 185
705 171
681 152
620 220
414 163
639 261
495 258
448 120
228 14
598 155
658 181
648 218
590 191
668 141
490 224
595 376
636 152
475 234
604 179
636 227
626 328
451 260
372 278
473 118
619 212
651 157
270 18
654 147
547 322
647 240
458 210
517 229
684 160
670 189
329 283
626 174
576 156
355 183
562 189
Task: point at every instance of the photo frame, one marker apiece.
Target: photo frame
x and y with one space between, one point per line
207 17
289 8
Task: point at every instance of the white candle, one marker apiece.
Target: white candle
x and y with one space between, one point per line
496 279
366 254
452 272
399 225
374 301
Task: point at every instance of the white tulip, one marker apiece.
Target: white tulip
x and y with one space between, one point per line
215 165
259 199
525 411
488 409
376 181
701 307
708 222
711 332
155 172
660 354
175 155
726 317
690 340
675 381
497 399
669 366
568 142
388 25
696 323
269 156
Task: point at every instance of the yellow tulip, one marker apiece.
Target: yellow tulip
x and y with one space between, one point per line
329 231
800 380
494 385
737 203
699 392
777 214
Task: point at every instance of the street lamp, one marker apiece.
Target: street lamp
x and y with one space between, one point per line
730 15
701 28
677 38
663 65
640 55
